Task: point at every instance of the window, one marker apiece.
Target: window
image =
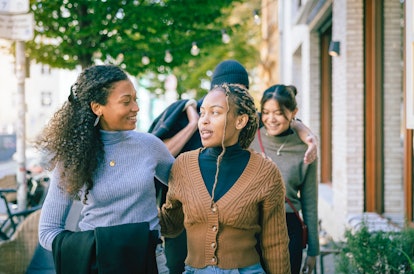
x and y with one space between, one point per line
45 69
46 99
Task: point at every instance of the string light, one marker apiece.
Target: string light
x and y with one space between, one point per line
116 61
195 49
168 57
225 37
256 16
119 59
145 60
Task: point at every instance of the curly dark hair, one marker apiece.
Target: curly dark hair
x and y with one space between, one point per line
71 138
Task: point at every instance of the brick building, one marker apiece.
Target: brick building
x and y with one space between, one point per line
353 100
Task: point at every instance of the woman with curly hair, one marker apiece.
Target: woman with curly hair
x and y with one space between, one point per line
98 157
226 195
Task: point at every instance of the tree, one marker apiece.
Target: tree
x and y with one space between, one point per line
244 32
69 33
77 32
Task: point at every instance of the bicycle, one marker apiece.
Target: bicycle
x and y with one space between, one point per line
37 186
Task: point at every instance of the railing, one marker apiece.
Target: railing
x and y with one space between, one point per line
10 216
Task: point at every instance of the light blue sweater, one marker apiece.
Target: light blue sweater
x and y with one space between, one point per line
122 193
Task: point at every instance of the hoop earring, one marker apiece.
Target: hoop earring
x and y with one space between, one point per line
96 120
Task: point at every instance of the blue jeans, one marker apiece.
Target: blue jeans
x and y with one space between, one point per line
253 269
161 260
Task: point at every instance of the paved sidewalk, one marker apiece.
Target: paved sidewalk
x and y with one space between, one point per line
328 264
326 260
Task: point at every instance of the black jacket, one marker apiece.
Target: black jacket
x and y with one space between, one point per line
123 249
166 125
171 121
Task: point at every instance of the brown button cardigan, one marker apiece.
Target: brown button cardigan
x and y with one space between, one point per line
223 233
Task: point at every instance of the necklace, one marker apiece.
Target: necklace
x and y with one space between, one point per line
262 147
280 148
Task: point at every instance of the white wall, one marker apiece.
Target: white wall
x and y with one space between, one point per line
57 83
8 91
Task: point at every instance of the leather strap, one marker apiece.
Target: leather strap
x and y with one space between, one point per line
286 198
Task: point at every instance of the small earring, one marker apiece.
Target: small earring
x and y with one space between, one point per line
96 120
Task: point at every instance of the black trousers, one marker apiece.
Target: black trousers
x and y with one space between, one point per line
295 243
176 252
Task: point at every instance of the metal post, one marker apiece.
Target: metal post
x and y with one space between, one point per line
21 126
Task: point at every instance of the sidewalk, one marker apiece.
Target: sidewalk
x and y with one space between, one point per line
326 260
328 263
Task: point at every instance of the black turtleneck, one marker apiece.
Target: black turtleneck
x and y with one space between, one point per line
231 167
285 133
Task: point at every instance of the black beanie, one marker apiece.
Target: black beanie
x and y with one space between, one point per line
230 72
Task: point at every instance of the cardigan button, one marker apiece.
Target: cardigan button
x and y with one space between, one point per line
214 209
214 260
213 245
214 228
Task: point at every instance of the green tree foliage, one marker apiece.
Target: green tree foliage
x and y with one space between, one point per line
75 32
69 33
243 46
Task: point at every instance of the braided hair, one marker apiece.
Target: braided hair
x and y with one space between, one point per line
71 138
240 102
243 103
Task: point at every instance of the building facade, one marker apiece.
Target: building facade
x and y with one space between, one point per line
353 99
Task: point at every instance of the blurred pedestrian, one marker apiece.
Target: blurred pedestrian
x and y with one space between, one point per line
99 158
277 140
224 194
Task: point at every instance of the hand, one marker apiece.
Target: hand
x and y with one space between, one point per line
192 114
312 152
190 103
309 265
176 143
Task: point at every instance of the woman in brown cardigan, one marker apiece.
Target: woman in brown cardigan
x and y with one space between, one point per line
225 195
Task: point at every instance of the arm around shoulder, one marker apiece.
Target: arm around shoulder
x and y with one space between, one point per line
176 143
307 136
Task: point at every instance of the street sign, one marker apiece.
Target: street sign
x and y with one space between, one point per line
14 6
19 27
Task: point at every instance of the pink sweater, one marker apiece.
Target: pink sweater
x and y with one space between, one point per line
223 233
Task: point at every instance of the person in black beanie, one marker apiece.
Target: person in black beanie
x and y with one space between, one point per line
230 72
177 127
